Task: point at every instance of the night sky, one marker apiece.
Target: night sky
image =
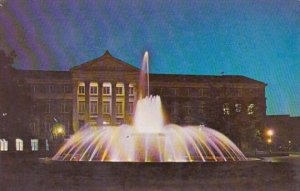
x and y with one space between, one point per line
256 38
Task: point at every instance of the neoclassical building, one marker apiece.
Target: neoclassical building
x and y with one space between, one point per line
103 91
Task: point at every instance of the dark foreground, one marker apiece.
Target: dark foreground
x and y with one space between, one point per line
17 173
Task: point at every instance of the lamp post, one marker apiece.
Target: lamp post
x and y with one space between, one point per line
58 132
270 133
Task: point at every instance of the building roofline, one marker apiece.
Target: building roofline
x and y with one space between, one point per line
104 56
185 77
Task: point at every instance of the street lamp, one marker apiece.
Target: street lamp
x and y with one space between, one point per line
58 133
58 130
270 133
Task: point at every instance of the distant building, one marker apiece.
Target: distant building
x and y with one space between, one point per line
104 91
286 132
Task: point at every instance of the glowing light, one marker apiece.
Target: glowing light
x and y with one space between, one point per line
58 130
269 140
270 132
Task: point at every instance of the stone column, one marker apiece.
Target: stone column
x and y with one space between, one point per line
100 117
75 122
126 102
87 101
113 102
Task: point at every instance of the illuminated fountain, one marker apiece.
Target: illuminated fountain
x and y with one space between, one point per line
149 139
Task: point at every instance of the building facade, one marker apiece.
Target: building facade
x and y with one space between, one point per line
103 91
285 132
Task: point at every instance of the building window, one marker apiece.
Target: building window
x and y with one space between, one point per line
201 107
119 90
226 109
94 88
131 90
119 108
64 107
81 89
93 107
187 109
130 107
250 109
238 107
33 88
81 106
3 145
19 145
171 91
174 108
34 144
51 89
47 127
203 92
48 107
67 89
34 128
81 123
239 92
106 107
185 92
47 145
106 91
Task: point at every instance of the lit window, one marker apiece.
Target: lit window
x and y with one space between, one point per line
119 90
119 108
81 89
251 109
106 91
238 107
19 145
93 107
226 109
81 106
130 107
3 145
106 107
34 144
94 89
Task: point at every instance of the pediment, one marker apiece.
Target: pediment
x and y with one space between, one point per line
105 63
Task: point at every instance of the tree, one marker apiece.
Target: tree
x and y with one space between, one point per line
15 101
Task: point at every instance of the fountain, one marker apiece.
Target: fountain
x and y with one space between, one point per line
149 139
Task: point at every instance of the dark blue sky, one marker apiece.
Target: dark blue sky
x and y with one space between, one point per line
256 38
